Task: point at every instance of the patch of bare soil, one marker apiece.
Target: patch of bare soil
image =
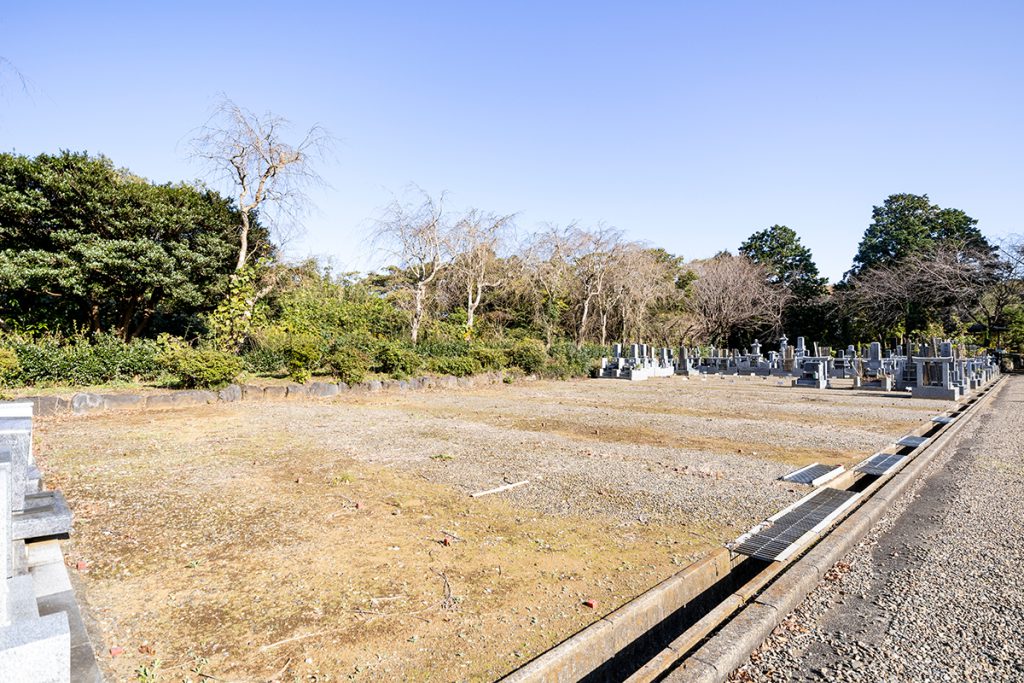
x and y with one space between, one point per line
336 540
251 560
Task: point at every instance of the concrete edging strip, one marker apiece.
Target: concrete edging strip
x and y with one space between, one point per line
728 649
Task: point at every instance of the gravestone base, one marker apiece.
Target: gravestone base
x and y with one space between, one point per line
33 648
880 384
46 514
937 393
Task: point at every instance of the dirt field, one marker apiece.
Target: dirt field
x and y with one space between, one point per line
336 540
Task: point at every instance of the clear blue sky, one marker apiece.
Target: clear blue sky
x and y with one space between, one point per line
688 125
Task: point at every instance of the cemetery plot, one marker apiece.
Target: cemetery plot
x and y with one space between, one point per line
292 540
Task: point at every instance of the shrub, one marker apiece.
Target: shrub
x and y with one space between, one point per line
303 354
203 368
528 354
395 358
443 348
349 365
569 361
489 358
83 360
263 360
299 352
460 366
10 368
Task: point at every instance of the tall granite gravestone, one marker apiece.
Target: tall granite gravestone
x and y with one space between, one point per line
32 647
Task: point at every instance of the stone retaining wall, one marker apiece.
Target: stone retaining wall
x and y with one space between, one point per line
86 403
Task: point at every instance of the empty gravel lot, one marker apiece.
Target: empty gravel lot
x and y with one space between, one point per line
336 539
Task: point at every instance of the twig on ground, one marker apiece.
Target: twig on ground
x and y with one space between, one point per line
281 670
448 602
414 615
506 487
451 535
264 648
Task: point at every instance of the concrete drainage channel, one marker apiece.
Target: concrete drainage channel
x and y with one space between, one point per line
703 622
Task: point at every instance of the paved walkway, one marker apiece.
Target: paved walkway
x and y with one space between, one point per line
936 592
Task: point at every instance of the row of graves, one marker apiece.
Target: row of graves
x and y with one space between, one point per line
40 624
937 370
643 362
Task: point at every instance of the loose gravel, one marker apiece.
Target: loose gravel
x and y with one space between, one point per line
668 450
933 593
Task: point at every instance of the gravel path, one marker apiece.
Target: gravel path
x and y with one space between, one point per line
934 592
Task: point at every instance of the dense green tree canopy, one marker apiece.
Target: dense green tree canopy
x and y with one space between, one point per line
83 244
778 249
906 224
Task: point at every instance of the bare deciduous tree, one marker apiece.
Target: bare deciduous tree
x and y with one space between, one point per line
416 235
730 295
593 258
268 175
950 281
479 239
641 283
547 258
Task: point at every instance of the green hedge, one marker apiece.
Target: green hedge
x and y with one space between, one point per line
460 366
98 359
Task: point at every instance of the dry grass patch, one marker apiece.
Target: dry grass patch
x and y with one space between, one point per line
256 557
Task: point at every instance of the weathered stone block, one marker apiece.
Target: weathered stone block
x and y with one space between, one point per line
123 401
251 392
84 403
297 390
196 397
275 392
322 390
46 406
342 387
230 393
374 385
160 401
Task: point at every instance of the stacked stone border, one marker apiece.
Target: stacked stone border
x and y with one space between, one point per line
84 403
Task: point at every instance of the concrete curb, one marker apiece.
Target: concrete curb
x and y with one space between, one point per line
730 648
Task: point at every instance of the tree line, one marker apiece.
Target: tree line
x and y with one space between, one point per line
87 248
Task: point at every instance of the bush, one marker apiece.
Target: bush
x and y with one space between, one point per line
200 368
460 366
528 354
303 354
395 358
569 361
489 358
10 368
300 352
263 360
349 365
84 360
443 348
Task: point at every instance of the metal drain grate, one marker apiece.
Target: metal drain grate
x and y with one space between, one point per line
783 534
879 463
943 419
912 441
814 474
